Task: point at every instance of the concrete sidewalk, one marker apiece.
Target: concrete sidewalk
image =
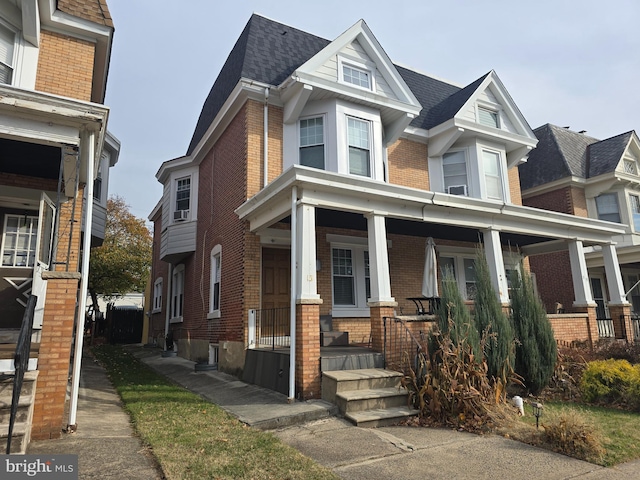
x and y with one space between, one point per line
107 447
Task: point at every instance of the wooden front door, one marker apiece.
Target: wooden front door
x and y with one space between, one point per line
276 291
276 278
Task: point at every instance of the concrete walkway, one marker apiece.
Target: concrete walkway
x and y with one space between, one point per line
107 447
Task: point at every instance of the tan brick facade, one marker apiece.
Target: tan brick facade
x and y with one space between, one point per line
65 66
408 164
308 379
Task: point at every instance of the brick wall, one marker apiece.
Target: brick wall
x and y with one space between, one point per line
557 200
554 280
65 65
408 164
569 328
159 269
514 186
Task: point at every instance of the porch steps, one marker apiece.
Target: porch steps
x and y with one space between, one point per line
350 361
24 416
371 397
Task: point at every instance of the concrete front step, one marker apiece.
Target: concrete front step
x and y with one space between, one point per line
337 381
371 399
19 438
28 386
351 361
380 417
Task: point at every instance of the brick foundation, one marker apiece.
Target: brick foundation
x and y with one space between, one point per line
308 378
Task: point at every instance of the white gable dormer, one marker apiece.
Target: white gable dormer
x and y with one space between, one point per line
629 165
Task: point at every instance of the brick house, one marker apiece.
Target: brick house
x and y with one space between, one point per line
573 173
325 155
54 59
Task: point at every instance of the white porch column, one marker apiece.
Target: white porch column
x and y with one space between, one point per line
378 259
614 277
306 280
579 274
493 253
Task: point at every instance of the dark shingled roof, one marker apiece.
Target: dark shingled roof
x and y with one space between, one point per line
268 52
605 155
562 153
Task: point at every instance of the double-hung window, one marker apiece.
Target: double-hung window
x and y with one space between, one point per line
351 280
214 294
312 142
492 174
7 49
177 292
157 295
19 241
463 270
454 169
634 203
607 207
183 199
359 138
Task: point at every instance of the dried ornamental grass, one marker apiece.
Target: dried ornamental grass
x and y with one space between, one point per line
569 432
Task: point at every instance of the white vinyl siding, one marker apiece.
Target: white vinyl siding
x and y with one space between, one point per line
607 207
19 241
454 169
312 142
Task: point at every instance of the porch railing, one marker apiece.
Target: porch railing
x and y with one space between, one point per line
605 328
270 328
403 349
21 362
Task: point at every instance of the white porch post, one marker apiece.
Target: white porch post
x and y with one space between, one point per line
493 253
614 277
306 279
378 259
579 274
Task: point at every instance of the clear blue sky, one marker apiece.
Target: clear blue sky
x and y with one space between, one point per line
570 63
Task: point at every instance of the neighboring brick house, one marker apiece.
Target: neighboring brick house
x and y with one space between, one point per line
327 153
54 58
573 173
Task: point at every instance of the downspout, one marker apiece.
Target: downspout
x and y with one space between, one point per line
292 308
266 137
168 313
90 144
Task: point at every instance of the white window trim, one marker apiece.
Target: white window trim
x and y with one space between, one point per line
4 236
16 48
178 318
501 172
459 254
157 295
175 198
465 152
360 309
324 135
215 251
370 149
489 107
357 64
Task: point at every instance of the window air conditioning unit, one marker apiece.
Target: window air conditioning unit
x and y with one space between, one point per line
180 215
457 190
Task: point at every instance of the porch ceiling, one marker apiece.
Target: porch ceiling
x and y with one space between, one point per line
29 159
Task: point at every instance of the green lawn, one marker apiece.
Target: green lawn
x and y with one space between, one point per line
194 439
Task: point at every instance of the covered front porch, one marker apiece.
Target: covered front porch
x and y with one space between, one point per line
325 222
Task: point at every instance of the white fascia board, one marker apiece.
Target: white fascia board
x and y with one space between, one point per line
496 134
419 135
296 101
551 186
113 145
507 102
440 143
244 90
31 22
365 96
101 35
346 193
170 166
155 210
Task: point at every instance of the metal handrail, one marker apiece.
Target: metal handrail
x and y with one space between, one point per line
21 362
396 349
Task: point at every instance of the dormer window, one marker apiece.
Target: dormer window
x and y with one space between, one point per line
356 76
454 168
488 117
312 142
7 48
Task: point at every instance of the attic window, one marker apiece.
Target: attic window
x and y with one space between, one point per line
356 76
488 117
630 167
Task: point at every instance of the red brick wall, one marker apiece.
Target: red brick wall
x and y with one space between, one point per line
159 269
554 280
65 65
